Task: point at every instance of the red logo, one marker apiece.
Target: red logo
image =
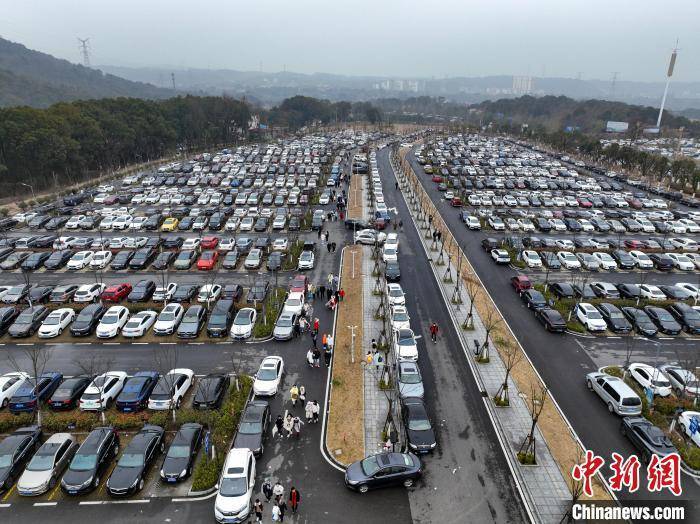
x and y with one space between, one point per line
584 472
665 473
625 473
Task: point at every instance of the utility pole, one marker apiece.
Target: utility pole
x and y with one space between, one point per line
84 45
669 74
614 81
172 78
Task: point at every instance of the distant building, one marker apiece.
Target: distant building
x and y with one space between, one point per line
522 85
616 127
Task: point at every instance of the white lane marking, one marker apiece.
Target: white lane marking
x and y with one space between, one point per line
139 343
42 504
5 505
138 501
92 502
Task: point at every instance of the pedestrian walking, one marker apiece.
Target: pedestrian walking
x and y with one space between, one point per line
294 394
303 324
374 345
396 185
267 489
302 394
342 216
327 354
330 279
282 505
297 426
321 290
316 325
314 337
258 509
369 358
288 425
337 296
294 499
319 233
275 513
316 410
336 280
317 358
309 411
341 294
296 329
278 490
401 225
328 234
310 357
329 247
434 331
329 293
279 424
334 246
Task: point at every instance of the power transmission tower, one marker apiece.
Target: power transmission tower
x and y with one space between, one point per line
172 77
614 81
85 50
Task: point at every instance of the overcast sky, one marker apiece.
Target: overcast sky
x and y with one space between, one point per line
377 37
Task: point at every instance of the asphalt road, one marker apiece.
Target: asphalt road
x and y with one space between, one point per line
467 479
559 359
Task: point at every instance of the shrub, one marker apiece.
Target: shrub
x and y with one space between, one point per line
10 422
501 403
206 473
78 420
615 371
667 405
575 326
527 459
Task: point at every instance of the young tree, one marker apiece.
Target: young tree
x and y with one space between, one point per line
490 321
472 287
32 360
510 355
528 449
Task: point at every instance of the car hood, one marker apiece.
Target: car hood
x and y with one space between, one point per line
77 478
232 504
174 466
421 438
282 331
411 390
252 442
240 329
354 472
265 385
33 479
123 478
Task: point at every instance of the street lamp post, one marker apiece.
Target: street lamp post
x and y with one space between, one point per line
30 187
352 343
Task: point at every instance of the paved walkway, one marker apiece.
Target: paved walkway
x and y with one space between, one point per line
543 485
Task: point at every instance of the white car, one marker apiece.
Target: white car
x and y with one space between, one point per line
531 258
243 323
686 244
137 223
526 224
369 237
690 225
47 465
122 222
681 261
54 324
693 289
279 222
88 292
139 324
163 294
590 317
565 243
395 294
306 260
294 303
400 318
568 260
280 244
168 319
246 224
135 242
117 242
641 259
235 487
102 391
650 377
171 389
390 254
113 320
269 376
651 292
209 293
9 383
695 257
496 223
685 421
473 223
392 239
605 260
80 260
586 225
232 224
226 244
684 382
191 244
75 221
406 345
557 224
500 256
100 259
106 223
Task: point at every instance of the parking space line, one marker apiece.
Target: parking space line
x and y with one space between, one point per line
92 502
7 495
5 505
166 343
55 490
137 501
43 504
139 343
195 343
664 338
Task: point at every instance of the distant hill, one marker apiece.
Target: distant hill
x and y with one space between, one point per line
558 112
37 79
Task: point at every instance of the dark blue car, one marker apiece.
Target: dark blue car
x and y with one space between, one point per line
28 396
134 396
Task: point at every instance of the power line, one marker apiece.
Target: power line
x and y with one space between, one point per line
84 45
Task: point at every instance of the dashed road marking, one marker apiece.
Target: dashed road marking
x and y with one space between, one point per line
92 502
43 504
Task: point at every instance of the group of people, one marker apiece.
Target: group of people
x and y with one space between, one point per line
279 506
313 355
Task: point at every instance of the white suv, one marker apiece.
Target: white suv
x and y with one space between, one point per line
590 317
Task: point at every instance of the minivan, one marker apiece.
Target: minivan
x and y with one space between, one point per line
619 397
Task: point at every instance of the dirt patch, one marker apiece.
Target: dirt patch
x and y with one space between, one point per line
355 197
562 444
346 413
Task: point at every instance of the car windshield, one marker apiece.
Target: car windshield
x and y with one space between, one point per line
250 428
370 466
594 315
395 292
293 302
233 487
41 462
167 316
83 462
131 460
419 424
661 383
410 378
5 461
112 318
267 374
242 319
178 451
284 322
52 320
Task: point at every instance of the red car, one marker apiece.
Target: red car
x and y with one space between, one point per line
437 178
584 202
456 202
379 224
520 283
209 242
208 260
299 283
634 244
116 293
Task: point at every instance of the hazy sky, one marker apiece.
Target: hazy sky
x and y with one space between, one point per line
378 37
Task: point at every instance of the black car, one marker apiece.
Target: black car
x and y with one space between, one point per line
192 322
550 259
294 224
274 261
232 291
382 470
153 222
244 245
35 261
173 242
543 225
392 272
68 393
55 223
220 318
630 291
641 321
58 259
675 293
134 395
39 294
563 290
490 243
663 320
356 224
551 319
686 316
87 320
647 438
258 292
533 299
231 259
7 318
142 291
185 293
142 258
185 223
584 291
28 321
154 243
90 222
43 242
253 426
15 452
211 391
661 261
131 469
261 224
121 259
419 429
182 452
614 318
623 259
163 260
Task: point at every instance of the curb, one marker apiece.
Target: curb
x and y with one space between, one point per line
209 491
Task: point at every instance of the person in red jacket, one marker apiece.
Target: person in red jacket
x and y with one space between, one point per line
294 499
434 331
